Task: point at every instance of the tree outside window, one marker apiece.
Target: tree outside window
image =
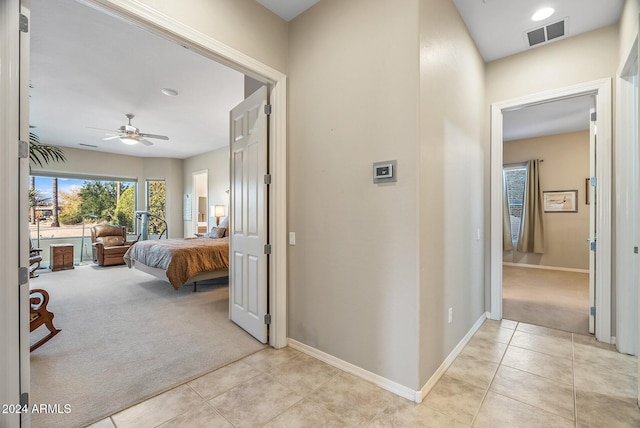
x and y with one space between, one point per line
156 205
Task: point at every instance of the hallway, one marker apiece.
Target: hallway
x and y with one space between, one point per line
509 374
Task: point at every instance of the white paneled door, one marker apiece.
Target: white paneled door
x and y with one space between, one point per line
248 216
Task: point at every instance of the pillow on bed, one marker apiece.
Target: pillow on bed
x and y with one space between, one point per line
216 232
225 225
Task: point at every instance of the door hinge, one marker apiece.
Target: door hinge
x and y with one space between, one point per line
592 311
593 181
267 319
635 250
24 23
24 399
267 109
23 275
593 246
594 116
267 179
23 149
267 249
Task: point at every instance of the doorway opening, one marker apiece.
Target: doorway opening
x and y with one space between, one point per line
548 285
602 297
277 195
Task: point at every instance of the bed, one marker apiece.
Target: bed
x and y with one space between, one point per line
181 261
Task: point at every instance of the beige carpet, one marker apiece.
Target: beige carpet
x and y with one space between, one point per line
549 298
125 337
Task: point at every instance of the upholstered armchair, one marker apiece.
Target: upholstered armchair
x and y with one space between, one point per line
109 244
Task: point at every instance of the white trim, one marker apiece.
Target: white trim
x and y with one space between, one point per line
528 266
172 29
382 382
602 88
10 368
449 360
375 379
626 167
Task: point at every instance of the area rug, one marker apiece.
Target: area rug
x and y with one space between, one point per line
549 298
126 336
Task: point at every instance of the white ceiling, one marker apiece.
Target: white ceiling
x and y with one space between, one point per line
499 27
557 117
287 9
89 69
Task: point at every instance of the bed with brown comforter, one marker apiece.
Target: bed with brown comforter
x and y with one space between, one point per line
182 260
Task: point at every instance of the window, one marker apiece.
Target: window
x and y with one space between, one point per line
515 178
64 206
156 205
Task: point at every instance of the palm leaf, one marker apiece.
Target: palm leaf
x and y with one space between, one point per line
41 154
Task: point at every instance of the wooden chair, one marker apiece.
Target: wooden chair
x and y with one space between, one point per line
34 259
39 315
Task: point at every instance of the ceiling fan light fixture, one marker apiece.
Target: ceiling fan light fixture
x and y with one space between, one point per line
129 140
169 92
542 13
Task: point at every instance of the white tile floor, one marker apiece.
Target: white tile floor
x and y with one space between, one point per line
509 375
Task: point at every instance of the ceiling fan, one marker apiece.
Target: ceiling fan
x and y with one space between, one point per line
131 135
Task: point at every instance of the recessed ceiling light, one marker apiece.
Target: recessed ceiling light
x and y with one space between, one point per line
543 13
169 92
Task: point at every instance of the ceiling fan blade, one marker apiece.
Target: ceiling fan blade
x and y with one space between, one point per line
113 137
159 137
145 142
100 129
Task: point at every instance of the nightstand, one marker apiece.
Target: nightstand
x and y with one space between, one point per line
61 257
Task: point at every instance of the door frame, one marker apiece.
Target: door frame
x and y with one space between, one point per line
196 200
13 372
209 47
602 89
626 162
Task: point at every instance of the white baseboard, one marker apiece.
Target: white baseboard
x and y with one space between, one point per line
377 380
524 265
449 360
382 382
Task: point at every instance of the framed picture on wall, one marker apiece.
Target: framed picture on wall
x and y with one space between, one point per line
560 201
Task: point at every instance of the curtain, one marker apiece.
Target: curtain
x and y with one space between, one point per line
531 239
507 244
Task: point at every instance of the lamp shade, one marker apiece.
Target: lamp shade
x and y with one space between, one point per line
219 211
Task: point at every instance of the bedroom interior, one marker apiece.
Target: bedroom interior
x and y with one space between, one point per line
195 162
551 289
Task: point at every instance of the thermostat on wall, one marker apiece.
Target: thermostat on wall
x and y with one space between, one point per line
384 171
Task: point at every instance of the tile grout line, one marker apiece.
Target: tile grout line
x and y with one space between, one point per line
486 392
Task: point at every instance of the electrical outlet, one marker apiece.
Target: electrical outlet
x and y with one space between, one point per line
292 238
450 315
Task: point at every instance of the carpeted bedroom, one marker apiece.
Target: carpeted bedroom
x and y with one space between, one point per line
125 337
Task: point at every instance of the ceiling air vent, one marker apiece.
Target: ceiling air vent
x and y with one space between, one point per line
547 33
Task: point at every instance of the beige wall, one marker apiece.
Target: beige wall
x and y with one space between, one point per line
353 96
244 25
376 267
565 167
451 157
216 163
93 163
583 58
